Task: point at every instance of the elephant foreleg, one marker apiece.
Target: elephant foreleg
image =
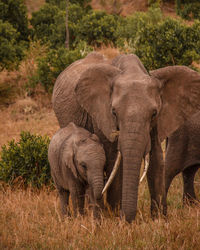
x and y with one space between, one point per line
78 197
64 201
114 192
155 176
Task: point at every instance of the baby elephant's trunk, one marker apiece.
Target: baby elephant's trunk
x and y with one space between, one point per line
98 185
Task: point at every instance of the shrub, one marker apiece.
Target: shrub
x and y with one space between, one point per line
97 27
129 28
51 65
160 42
43 22
15 12
26 159
49 24
11 51
169 43
190 10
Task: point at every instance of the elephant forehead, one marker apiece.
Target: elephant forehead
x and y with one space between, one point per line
90 152
130 86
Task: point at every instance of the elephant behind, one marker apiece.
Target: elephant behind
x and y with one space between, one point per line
77 160
183 156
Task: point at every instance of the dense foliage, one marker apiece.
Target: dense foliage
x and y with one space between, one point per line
94 27
160 42
49 25
15 12
14 33
97 27
55 61
11 50
26 159
188 9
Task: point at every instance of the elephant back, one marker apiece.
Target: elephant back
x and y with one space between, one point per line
65 105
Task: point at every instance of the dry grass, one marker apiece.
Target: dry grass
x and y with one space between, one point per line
31 221
108 51
27 116
33 5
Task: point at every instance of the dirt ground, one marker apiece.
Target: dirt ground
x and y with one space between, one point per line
26 115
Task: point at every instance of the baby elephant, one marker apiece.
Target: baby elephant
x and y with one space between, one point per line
77 161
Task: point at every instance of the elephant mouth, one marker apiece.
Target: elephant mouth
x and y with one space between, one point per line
114 135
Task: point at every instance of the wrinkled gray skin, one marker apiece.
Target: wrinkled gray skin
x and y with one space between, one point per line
183 156
146 108
77 161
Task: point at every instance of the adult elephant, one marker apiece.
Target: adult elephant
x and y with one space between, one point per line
144 107
183 156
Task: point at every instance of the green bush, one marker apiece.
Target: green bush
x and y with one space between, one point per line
14 33
97 27
50 66
27 159
168 43
129 28
15 12
45 22
11 50
49 24
190 11
159 42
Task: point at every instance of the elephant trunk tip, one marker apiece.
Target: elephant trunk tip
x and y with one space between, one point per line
127 218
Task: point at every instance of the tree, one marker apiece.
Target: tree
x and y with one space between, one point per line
66 25
15 12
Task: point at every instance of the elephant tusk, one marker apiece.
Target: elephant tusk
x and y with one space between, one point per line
146 161
113 173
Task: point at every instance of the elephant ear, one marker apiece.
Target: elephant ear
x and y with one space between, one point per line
68 158
180 94
93 93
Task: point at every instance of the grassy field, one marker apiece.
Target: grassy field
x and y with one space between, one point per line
31 220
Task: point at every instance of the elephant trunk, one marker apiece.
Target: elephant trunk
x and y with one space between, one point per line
98 184
132 146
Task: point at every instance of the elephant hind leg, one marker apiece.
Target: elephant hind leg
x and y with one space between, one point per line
188 174
64 201
168 180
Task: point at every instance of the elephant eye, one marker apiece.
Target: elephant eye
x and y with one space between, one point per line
83 165
154 114
114 111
